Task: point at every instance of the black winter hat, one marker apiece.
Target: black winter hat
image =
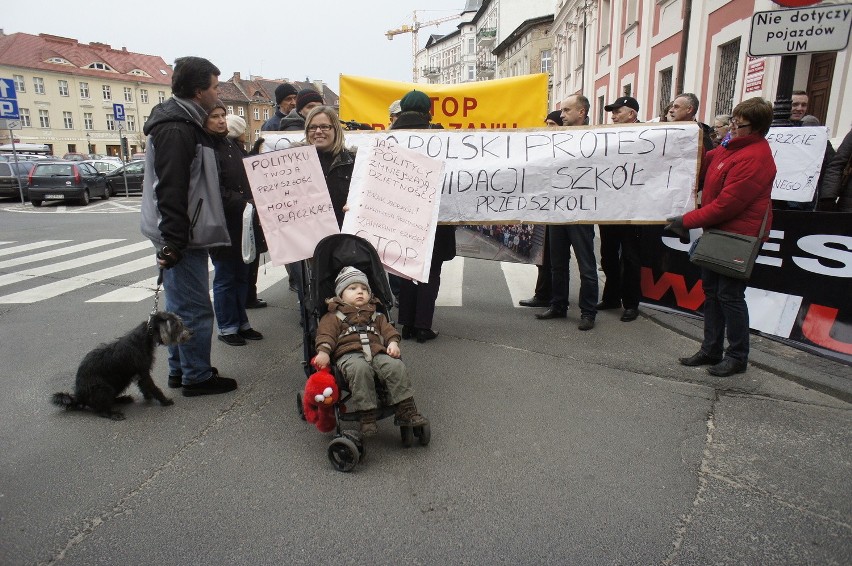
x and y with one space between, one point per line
556 116
305 96
283 91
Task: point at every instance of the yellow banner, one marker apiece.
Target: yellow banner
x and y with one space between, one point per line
517 102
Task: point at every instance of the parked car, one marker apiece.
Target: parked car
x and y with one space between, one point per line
135 173
62 180
138 157
8 183
75 156
104 165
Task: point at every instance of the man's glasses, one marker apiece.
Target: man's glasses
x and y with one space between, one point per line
320 127
737 125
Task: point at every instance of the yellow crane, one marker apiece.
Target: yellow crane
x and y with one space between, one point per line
412 29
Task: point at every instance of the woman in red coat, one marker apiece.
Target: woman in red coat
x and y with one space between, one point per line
738 178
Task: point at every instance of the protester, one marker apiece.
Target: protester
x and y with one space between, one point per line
417 302
285 101
721 128
619 250
580 237
306 100
553 119
393 112
365 347
683 109
837 187
798 106
324 132
180 176
738 180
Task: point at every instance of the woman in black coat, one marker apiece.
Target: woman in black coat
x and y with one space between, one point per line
417 301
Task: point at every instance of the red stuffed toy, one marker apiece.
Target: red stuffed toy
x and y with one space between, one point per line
321 393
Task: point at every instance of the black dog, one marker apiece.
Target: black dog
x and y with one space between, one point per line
110 368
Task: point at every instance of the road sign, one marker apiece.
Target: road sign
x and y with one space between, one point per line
6 124
8 99
118 111
803 30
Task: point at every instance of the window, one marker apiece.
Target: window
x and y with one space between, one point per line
131 123
665 90
43 118
25 117
20 85
256 135
605 16
471 72
257 113
38 85
84 90
110 119
632 12
143 95
88 122
161 96
128 94
729 55
471 46
266 113
68 120
100 66
107 92
241 111
627 90
63 88
546 61
230 109
601 105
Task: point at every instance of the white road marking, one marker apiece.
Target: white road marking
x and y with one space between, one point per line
29 247
452 282
56 253
520 277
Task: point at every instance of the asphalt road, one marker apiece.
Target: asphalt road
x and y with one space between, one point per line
549 445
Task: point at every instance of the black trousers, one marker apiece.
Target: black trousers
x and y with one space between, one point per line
417 302
621 265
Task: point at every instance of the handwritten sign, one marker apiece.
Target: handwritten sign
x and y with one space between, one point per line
637 173
393 201
798 154
292 201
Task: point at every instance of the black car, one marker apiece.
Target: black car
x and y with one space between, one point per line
8 182
61 180
135 172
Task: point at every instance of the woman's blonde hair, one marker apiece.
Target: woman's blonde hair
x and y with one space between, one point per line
332 116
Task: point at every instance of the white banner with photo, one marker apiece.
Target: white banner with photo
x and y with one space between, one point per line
798 154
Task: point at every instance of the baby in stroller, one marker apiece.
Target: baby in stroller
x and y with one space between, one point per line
365 346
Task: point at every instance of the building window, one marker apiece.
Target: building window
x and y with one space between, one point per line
84 90
471 72
605 17
88 122
256 135
25 117
241 111
230 109
471 46
43 119
161 96
266 113
627 90
38 85
256 113
729 55
131 123
20 85
110 122
63 88
665 89
601 105
143 95
546 61
128 94
107 92
68 120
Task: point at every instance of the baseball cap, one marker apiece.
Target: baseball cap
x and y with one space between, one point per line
628 101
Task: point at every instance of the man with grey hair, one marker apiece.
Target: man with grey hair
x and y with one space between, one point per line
683 109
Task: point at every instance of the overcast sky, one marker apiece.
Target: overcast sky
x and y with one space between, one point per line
284 41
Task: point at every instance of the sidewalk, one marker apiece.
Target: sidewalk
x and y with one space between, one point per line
809 370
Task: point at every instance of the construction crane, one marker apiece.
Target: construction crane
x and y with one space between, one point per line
412 29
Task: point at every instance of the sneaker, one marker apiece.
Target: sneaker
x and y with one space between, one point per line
214 385
586 323
232 339
250 334
175 381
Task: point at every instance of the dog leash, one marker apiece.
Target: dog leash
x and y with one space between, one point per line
156 300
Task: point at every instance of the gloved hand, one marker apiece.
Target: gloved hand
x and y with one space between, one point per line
675 224
168 256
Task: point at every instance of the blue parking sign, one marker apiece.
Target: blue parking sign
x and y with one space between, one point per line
118 111
8 99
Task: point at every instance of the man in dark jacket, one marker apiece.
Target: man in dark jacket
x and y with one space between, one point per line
182 214
306 100
285 101
683 109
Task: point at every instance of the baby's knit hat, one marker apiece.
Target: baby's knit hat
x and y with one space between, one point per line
348 276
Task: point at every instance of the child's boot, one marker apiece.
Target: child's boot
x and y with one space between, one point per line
407 415
368 424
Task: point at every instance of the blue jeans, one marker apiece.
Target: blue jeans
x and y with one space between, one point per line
230 289
581 237
725 309
187 290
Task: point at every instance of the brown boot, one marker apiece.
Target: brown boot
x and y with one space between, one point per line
407 415
368 423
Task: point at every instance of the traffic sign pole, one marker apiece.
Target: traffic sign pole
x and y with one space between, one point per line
17 167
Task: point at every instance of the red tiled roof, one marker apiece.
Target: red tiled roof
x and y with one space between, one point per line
259 89
229 92
32 52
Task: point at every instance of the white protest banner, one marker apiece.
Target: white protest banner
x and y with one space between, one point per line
798 154
626 173
393 203
292 201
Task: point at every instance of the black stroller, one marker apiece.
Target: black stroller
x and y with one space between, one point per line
332 254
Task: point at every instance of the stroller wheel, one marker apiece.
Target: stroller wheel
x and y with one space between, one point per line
359 443
423 434
343 454
407 435
300 407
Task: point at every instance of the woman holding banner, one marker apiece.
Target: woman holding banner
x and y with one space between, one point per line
417 302
737 178
324 132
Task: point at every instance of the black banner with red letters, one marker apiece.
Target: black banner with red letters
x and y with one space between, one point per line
800 290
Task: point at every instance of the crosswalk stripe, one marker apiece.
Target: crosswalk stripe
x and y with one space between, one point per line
19 276
452 282
520 277
269 275
57 252
29 247
56 288
129 294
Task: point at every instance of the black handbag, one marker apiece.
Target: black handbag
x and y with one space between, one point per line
727 253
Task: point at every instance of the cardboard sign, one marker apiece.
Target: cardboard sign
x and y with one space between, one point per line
292 201
798 154
394 199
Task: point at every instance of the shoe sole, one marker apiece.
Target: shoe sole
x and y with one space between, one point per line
726 374
252 337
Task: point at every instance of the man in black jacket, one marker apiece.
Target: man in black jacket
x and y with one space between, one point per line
285 101
182 214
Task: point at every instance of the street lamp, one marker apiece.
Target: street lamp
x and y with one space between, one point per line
89 142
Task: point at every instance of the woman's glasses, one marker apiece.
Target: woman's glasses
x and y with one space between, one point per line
737 125
320 127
